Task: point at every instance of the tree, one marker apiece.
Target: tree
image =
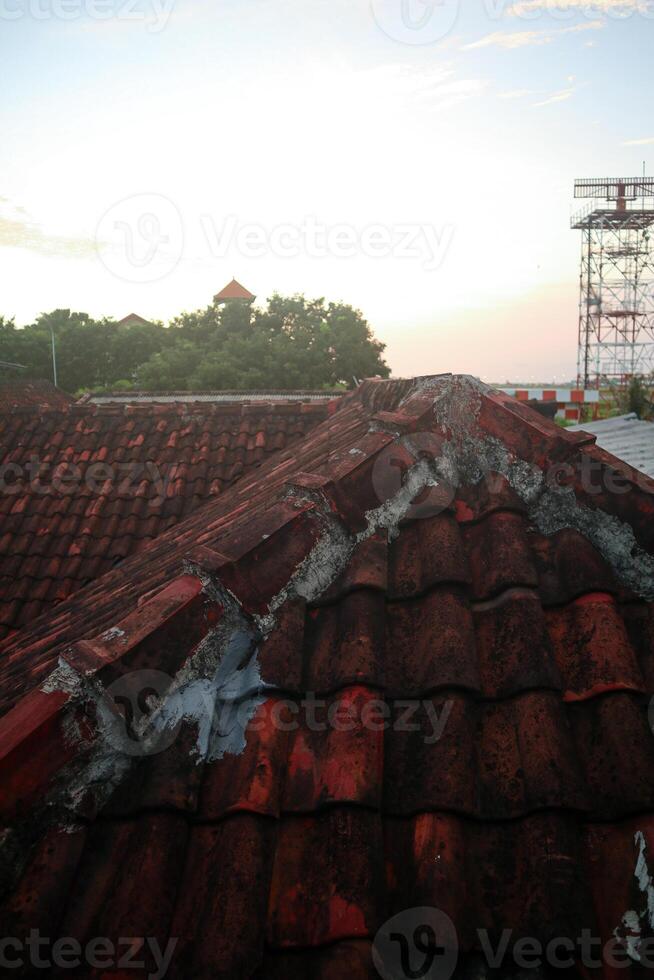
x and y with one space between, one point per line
170 370
637 397
292 343
90 353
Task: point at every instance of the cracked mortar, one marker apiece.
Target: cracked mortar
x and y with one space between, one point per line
469 456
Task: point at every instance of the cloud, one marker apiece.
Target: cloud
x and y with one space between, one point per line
501 39
561 96
645 141
610 8
19 230
436 85
522 39
515 93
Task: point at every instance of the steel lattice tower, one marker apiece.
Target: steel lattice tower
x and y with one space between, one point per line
616 307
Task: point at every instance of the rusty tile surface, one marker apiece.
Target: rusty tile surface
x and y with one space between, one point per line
376 714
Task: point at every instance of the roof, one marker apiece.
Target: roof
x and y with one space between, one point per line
234 290
224 395
564 396
626 437
134 318
432 543
112 478
31 394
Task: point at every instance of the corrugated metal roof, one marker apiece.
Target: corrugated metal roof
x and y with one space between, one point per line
125 397
627 437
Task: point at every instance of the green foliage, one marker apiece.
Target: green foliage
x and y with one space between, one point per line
292 343
637 398
90 353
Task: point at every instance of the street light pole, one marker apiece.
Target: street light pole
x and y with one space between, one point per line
54 357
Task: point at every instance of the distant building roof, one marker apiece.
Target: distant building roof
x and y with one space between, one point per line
626 437
133 318
17 394
235 397
234 290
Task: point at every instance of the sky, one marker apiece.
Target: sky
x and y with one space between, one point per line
414 158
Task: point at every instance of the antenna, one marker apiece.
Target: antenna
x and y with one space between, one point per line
616 307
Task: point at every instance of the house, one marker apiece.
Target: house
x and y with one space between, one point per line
134 320
401 668
627 437
234 292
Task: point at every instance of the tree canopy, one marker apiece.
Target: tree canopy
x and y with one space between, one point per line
90 353
291 343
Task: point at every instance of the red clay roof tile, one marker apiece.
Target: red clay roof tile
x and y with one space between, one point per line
44 395
117 497
510 783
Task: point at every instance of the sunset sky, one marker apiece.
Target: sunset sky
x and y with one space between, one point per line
414 159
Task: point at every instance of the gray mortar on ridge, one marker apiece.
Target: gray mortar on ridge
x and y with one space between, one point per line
220 687
330 555
223 672
470 456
